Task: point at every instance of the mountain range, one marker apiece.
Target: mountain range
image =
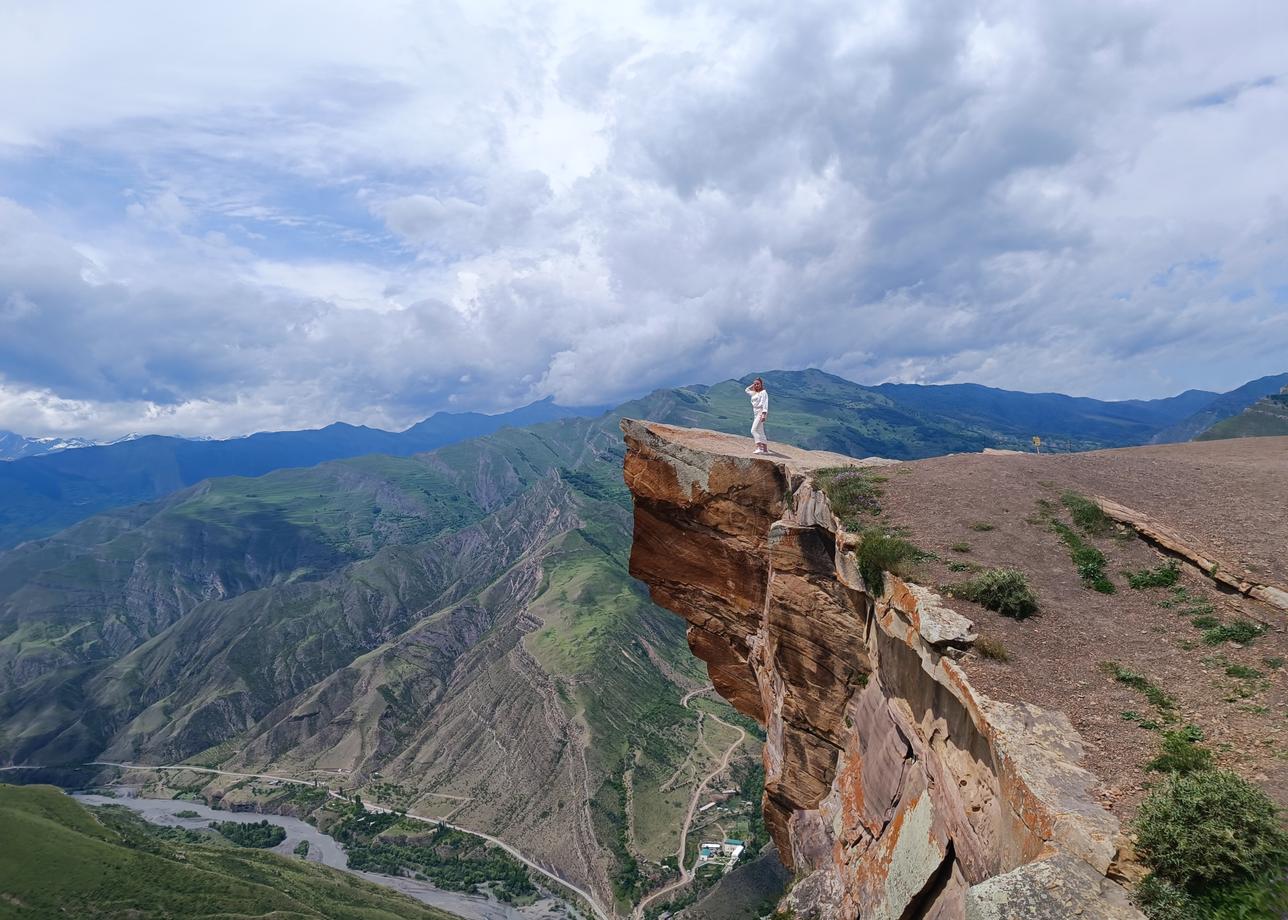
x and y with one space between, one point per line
40 495
47 492
456 623
14 446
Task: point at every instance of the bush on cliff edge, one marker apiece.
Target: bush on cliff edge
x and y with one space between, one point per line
1216 850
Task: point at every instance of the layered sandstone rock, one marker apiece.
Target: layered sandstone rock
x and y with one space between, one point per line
892 788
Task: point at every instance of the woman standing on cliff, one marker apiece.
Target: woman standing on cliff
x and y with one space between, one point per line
759 412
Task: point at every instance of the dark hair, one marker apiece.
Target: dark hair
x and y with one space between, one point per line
759 381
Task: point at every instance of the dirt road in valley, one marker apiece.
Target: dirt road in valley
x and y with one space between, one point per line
686 874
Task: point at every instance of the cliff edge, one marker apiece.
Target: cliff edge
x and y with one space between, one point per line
893 787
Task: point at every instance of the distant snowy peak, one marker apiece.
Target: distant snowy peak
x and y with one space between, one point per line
13 446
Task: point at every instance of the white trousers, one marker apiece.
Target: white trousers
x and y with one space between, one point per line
758 429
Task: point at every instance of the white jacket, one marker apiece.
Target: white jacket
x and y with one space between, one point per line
759 401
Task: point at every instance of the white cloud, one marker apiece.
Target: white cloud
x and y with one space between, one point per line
241 216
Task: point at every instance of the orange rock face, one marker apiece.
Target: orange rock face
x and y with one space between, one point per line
892 788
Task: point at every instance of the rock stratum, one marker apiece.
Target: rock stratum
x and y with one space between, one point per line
893 788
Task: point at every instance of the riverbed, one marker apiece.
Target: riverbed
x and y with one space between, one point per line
328 851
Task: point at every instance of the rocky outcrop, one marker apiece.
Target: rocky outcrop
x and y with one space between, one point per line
1207 561
892 788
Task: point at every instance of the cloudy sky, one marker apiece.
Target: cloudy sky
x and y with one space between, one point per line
218 218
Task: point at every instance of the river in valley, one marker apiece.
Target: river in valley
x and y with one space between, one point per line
327 851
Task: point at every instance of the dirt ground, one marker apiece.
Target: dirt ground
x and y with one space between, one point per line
1229 496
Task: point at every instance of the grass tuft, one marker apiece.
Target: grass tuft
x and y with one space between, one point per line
1182 752
960 547
1241 631
1089 561
853 494
1143 685
1131 715
993 649
1162 576
1087 514
1006 591
982 527
880 553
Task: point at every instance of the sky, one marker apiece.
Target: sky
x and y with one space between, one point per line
223 218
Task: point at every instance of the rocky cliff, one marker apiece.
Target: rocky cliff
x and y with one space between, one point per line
892 788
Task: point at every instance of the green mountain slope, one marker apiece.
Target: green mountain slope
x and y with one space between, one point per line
57 858
44 494
1265 418
1224 406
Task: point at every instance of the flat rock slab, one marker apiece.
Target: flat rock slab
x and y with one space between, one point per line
1060 888
795 459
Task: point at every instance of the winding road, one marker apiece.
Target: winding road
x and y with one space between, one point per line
686 874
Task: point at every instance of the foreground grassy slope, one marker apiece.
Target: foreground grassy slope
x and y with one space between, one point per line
57 858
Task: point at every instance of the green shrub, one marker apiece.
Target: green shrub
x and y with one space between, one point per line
1163 576
1240 631
1242 672
1160 900
1087 514
880 553
960 547
1215 845
1006 591
1205 621
1182 752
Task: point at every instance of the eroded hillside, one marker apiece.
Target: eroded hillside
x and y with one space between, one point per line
453 633
922 764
